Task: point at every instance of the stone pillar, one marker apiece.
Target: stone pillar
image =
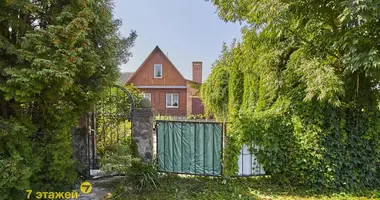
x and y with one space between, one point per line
80 142
142 130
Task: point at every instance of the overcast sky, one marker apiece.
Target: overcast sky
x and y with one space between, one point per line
187 30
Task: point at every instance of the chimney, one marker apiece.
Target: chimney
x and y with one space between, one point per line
197 72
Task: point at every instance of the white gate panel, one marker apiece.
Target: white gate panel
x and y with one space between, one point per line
248 164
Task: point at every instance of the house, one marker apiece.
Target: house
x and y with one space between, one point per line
162 83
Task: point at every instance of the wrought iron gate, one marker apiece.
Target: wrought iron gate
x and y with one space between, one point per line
189 147
110 122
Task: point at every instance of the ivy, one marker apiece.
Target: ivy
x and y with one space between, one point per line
302 85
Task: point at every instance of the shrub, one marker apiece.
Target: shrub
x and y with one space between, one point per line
18 162
57 166
143 176
28 163
199 116
163 117
118 159
138 175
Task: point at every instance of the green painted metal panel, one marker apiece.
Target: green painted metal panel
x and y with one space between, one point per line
189 147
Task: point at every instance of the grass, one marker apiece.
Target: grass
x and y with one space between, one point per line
175 187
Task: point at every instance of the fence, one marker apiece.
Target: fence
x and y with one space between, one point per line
248 165
196 147
187 147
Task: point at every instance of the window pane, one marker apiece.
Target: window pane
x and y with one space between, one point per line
172 100
168 100
148 96
157 71
175 100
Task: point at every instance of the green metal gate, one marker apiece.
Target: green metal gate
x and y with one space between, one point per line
189 147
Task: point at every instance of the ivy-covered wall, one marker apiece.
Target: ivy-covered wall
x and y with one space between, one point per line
310 143
301 85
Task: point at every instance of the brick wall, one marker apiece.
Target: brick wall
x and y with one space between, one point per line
158 99
197 72
190 92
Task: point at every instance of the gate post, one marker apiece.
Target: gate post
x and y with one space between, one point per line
142 130
80 144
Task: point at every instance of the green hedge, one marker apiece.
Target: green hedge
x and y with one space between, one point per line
29 163
315 144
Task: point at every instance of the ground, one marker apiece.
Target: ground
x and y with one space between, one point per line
175 187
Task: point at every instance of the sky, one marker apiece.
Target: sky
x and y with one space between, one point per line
186 30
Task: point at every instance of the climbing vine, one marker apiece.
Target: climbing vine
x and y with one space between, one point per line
303 86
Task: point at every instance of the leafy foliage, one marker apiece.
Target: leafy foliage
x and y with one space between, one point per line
302 85
193 116
16 168
118 159
215 86
113 117
163 117
140 176
181 187
135 92
55 58
121 155
143 176
57 166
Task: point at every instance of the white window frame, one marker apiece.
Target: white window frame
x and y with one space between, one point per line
154 70
148 96
170 96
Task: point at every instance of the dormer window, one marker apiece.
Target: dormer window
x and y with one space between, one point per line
157 70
